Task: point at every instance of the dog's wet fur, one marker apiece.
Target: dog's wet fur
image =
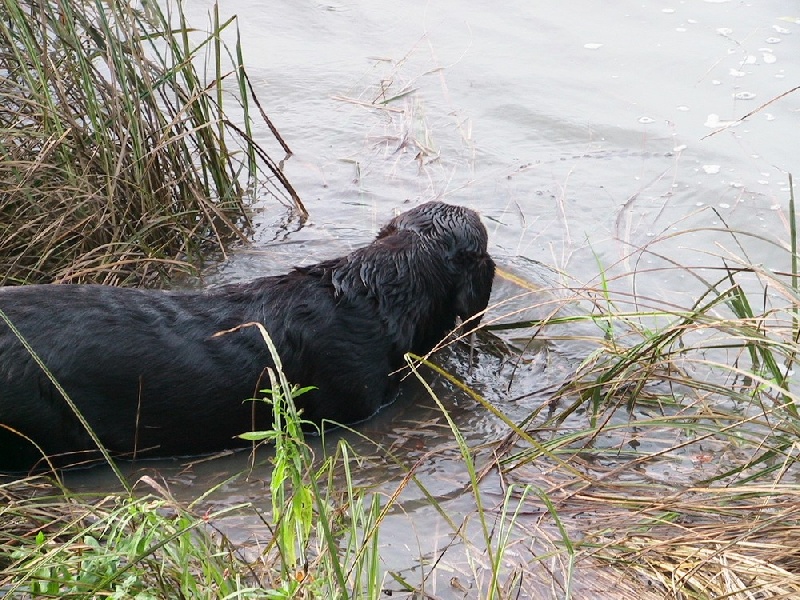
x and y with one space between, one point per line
145 368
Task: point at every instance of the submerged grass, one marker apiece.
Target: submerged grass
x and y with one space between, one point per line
119 162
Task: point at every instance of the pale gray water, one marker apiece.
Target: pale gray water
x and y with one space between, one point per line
560 143
576 128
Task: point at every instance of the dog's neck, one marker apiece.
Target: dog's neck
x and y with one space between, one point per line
408 278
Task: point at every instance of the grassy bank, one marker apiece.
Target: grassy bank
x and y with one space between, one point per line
119 161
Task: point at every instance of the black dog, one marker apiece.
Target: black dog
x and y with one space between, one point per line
147 372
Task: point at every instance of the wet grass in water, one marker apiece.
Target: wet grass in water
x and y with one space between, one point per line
68 546
683 425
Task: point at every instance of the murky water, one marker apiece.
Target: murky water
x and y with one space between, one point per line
587 134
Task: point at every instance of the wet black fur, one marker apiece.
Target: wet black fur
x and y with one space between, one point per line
128 356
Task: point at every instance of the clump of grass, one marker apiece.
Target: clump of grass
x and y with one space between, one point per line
58 545
324 546
678 431
118 161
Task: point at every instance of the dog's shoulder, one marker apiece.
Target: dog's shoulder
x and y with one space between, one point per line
321 271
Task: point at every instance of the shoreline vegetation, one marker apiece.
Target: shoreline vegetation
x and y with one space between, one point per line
120 163
665 466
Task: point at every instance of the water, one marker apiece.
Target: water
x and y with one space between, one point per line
587 134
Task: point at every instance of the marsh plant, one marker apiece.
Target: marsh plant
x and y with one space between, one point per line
120 161
673 445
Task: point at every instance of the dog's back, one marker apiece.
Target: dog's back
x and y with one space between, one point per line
145 368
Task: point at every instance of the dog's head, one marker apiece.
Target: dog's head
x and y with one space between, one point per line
459 232
427 267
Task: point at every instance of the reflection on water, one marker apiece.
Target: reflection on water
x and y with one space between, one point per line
579 130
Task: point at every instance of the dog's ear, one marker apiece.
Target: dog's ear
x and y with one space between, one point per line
475 287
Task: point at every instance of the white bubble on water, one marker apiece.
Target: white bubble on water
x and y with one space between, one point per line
699 203
711 169
780 29
769 116
750 60
763 182
681 29
592 46
680 148
715 82
769 58
682 108
668 10
726 31
713 121
744 95
646 120
736 73
724 205
773 40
